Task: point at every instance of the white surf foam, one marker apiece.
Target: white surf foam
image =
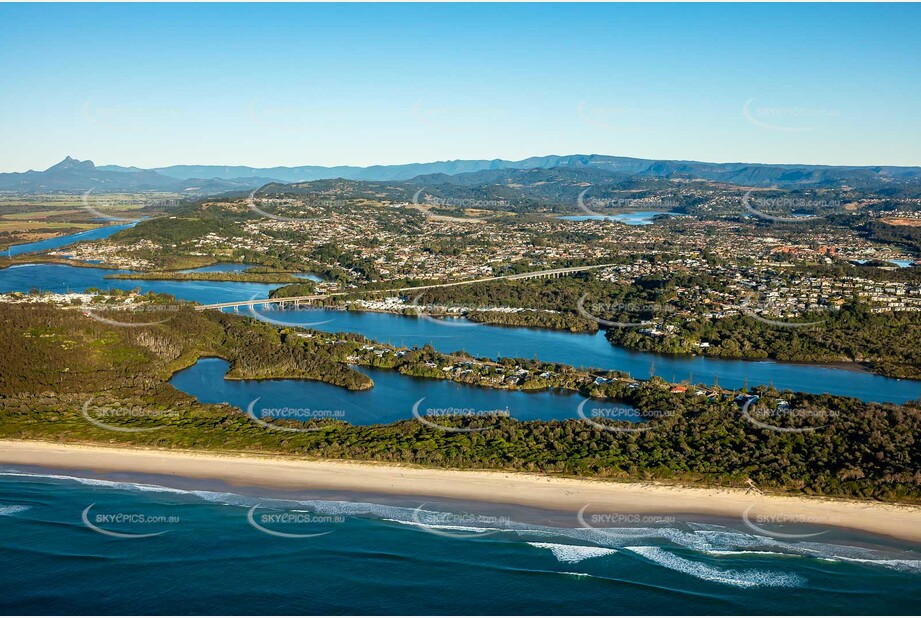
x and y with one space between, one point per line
748 552
422 524
11 509
572 554
99 482
703 538
913 566
741 579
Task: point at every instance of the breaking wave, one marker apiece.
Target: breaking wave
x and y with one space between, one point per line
572 554
12 509
705 539
742 579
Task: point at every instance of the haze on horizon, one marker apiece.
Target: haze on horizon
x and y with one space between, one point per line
291 85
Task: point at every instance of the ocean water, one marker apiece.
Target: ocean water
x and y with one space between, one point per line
80 543
77 542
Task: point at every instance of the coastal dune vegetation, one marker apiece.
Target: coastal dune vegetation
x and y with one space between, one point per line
59 359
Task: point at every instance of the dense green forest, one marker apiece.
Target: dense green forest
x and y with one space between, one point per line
63 350
901 235
180 228
57 359
887 343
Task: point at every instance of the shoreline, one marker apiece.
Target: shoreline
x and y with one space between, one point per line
561 494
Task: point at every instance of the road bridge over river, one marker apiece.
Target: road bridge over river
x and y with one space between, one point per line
297 300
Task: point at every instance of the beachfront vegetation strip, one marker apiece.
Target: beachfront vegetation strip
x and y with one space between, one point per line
57 359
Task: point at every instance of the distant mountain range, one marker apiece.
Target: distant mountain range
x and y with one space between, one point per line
73 175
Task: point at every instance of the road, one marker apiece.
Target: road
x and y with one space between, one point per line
539 274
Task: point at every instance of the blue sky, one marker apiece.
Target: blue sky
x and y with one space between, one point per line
264 85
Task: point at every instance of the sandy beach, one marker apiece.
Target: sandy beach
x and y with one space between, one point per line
560 494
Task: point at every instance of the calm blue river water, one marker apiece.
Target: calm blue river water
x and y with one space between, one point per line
580 350
391 399
69 239
585 350
62 278
642 217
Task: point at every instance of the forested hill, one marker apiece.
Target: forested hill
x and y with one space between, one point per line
759 174
73 175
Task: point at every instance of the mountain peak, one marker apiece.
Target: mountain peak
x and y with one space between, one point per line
70 163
